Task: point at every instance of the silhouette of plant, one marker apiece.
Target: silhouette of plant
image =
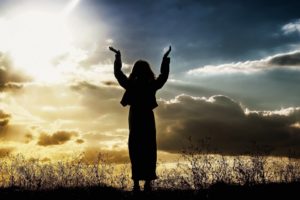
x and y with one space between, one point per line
196 169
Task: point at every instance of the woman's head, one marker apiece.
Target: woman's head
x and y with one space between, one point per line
142 70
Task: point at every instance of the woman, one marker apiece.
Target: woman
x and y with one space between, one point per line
141 87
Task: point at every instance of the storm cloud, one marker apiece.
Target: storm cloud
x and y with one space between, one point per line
231 128
289 59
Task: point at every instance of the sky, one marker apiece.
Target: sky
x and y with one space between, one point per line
234 79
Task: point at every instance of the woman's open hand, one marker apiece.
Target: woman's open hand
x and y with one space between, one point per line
168 52
117 52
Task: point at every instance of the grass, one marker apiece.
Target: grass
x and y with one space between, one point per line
204 176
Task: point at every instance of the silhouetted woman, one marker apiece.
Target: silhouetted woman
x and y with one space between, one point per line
141 87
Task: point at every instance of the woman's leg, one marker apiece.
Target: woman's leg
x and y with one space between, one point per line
136 185
147 186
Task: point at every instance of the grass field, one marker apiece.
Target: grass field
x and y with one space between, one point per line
195 176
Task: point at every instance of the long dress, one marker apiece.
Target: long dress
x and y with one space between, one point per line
142 132
142 143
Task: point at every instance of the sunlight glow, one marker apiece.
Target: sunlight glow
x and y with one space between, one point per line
34 39
71 6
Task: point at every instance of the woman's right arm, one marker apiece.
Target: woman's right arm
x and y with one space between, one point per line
164 71
120 76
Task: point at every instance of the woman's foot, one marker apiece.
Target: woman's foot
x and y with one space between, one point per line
147 186
136 186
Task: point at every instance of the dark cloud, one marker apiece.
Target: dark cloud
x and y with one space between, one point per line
290 59
224 121
57 138
10 86
5 152
10 132
82 85
10 78
103 106
97 95
4 115
4 122
4 119
28 137
110 83
79 141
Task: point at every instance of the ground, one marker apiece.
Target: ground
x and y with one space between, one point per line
217 191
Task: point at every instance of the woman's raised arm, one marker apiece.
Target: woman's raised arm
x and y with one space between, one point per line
164 70
120 76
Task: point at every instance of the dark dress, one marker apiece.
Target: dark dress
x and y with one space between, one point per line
140 96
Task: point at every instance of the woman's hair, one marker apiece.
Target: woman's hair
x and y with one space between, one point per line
142 70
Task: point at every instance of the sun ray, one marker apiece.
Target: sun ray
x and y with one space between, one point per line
70 7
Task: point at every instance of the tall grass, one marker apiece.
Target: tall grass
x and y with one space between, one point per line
192 171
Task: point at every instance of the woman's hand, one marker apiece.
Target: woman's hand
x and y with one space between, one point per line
168 52
166 59
117 52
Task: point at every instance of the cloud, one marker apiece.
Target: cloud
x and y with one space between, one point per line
4 118
57 138
106 90
287 59
268 83
8 130
83 106
99 99
231 128
79 141
5 152
290 60
110 83
28 137
98 54
4 122
292 27
10 78
10 86
208 39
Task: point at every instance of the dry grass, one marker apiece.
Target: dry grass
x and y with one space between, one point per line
193 171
